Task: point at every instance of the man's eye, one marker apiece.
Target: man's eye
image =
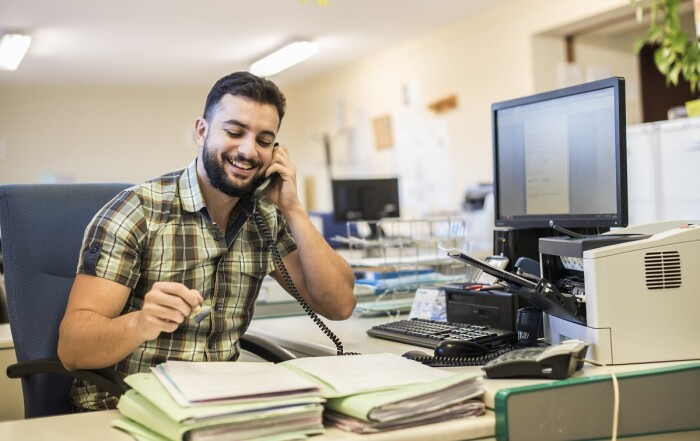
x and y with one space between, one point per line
265 142
233 134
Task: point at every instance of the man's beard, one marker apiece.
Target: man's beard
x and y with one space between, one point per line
218 178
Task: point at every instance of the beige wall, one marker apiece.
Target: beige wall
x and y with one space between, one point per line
121 134
482 60
96 134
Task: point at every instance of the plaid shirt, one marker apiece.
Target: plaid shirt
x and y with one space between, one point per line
161 231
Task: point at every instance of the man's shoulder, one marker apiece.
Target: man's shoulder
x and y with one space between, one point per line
158 195
162 187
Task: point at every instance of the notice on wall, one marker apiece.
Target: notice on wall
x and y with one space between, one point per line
422 153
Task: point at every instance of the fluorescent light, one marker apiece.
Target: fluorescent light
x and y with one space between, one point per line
12 50
282 59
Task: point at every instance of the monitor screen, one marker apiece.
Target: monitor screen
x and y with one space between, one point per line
561 156
365 199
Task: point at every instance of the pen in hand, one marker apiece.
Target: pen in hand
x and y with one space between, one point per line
200 312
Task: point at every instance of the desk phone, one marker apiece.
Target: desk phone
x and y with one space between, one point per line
557 362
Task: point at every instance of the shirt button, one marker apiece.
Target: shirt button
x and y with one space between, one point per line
211 344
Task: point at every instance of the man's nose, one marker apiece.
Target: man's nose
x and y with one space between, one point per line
247 147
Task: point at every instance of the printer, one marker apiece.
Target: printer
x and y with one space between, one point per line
633 293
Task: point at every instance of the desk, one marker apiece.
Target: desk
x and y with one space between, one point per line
301 335
12 403
96 426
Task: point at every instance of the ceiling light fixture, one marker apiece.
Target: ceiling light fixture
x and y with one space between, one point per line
12 50
284 58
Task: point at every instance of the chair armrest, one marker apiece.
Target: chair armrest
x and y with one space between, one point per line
265 348
106 379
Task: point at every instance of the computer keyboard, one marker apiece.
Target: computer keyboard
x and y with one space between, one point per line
428 333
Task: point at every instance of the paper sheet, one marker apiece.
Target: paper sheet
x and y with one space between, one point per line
357 373
220 380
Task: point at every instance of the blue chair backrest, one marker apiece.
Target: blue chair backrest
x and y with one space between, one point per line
42 227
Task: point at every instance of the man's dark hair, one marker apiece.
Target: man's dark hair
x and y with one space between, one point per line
247 85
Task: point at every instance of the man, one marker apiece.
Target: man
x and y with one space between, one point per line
159 250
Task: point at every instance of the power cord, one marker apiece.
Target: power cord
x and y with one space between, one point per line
616 395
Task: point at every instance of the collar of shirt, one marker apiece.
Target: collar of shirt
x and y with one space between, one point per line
191 196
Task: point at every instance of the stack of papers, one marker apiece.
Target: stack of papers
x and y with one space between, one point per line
220 401
381 392
201 401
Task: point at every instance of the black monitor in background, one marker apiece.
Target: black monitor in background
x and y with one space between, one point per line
365 199
561 156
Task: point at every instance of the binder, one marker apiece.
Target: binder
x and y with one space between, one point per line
652 401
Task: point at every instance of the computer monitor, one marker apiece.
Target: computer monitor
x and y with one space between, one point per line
561 156
365 199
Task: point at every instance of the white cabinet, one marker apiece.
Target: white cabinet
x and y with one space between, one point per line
663 171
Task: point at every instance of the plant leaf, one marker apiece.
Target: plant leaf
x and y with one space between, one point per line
674 74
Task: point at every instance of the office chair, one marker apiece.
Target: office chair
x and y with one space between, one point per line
42 227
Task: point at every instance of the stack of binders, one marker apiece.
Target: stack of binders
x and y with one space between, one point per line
196 401
382 392
220 401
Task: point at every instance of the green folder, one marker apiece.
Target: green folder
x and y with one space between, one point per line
408 401
150 413
147 385
142 411
141 433
652 401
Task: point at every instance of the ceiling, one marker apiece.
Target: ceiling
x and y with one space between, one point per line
192 42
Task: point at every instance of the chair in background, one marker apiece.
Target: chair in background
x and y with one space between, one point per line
42 227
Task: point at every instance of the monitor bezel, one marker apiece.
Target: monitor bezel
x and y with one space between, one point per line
590 220
368 182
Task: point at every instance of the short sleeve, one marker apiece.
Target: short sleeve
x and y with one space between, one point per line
285 241
113 241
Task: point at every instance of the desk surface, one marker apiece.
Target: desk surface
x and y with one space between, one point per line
5 336
96 426
301 335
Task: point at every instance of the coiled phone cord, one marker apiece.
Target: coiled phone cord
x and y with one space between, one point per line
457 361
277 258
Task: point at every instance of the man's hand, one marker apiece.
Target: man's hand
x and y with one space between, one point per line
165 307
284 192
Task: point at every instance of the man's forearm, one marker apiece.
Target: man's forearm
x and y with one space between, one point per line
329 278
88 340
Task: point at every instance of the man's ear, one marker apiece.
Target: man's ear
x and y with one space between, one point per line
201 128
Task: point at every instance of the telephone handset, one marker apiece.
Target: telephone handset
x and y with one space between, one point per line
259 192
452 352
